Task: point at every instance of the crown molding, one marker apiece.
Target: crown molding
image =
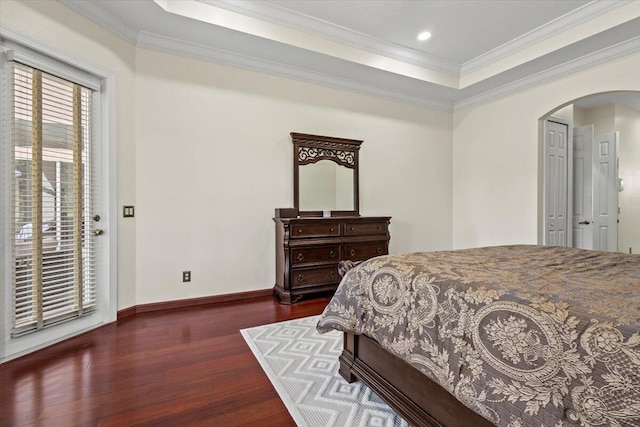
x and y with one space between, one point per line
166 44
563 23
611 53
277 15
103 18
175 46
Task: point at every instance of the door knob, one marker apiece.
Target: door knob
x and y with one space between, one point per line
585 222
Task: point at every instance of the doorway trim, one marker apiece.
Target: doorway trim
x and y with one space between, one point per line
107 128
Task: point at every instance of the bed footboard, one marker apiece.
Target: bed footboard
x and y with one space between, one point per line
420 401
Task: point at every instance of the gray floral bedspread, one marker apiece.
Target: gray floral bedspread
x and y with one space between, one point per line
523 335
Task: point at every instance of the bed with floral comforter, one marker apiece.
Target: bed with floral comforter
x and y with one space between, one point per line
522 335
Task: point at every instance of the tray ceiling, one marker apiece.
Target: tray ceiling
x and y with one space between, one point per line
479 49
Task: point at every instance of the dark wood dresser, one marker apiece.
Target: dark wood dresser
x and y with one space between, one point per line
308 251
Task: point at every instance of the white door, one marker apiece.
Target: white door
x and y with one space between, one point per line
54 275
605 192
582 218
555 164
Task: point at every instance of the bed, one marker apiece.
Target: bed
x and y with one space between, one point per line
511 336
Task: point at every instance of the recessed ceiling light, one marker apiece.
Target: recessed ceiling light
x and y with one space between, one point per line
425 35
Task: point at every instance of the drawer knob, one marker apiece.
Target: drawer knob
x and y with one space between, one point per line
300 231
378 227
300 278
332 254
331 229
352 252
379 251
300 257
332 274
351 228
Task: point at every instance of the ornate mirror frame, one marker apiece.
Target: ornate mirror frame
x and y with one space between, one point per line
308 149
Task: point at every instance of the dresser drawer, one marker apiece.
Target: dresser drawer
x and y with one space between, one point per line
358 229
314 230
366 250
315 276
314 254
309 249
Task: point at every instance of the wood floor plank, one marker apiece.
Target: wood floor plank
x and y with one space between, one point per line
187 367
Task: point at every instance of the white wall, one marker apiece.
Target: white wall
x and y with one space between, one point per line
52 24
495 154
214 158
204 154
566 113
579 116
602 118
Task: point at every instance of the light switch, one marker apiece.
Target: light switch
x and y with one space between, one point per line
127 211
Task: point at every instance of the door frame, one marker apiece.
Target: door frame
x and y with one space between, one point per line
107 129
542 178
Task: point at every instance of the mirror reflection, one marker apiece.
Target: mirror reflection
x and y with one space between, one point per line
605 193
326 185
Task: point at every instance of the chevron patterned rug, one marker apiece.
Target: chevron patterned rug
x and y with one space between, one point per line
303 368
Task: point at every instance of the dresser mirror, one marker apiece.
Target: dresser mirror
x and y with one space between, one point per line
325 175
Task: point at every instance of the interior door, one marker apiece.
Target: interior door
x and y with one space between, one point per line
605 192
555 164
582 217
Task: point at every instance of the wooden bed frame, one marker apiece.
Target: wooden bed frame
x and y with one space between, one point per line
420 401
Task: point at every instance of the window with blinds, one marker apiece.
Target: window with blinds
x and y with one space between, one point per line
54 275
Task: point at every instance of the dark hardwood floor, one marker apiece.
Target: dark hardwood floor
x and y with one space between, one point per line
184 367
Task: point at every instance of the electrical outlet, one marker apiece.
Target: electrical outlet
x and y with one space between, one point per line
186 276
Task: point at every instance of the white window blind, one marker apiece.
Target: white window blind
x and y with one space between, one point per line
54 276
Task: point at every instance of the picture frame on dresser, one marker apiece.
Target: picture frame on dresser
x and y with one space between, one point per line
310 244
